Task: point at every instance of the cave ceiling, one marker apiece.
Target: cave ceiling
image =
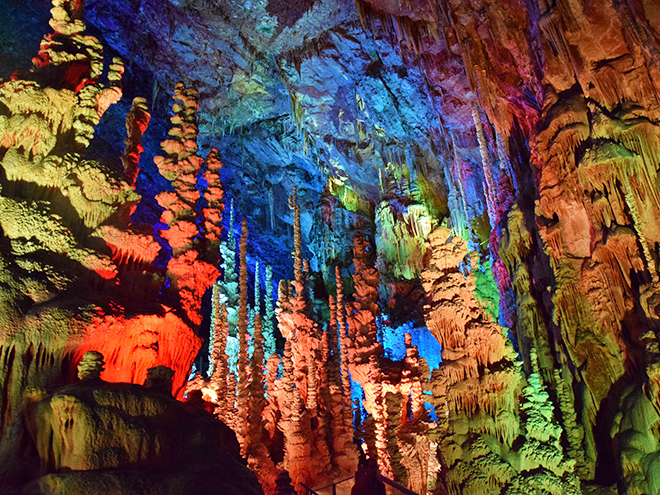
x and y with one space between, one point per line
292 93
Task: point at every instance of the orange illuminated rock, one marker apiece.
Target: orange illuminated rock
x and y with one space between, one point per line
133 345
214 195
192 278
181 166
137 121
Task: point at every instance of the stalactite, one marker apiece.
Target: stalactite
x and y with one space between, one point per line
574 432
631 202
515 246
297 239
271 208
485 160
401 232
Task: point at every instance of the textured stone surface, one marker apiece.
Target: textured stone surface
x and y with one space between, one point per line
528 129
97 437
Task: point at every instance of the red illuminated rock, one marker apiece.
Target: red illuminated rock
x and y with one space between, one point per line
133 345
137 121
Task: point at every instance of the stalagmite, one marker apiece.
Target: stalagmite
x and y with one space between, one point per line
255 450
268 327
477 380
242 383
137 121
344 344
213 195
361 313
220 368
181 166
91 366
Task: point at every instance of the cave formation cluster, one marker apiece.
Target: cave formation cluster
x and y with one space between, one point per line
474 304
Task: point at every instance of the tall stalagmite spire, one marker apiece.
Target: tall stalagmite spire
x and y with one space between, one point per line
242 333
344 344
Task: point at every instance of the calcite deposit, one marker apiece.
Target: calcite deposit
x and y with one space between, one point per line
458 203
77 274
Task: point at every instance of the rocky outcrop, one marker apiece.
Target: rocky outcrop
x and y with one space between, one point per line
99 437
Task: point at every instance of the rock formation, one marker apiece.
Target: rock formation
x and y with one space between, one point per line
99 437
474 295
77 275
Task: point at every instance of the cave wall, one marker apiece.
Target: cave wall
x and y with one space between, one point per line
78 274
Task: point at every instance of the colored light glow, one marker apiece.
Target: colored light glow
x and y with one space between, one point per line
427 344
132 346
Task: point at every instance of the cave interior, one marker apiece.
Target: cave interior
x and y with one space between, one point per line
246 243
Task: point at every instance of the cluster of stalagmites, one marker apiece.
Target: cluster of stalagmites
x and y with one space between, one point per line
290 407
497 430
